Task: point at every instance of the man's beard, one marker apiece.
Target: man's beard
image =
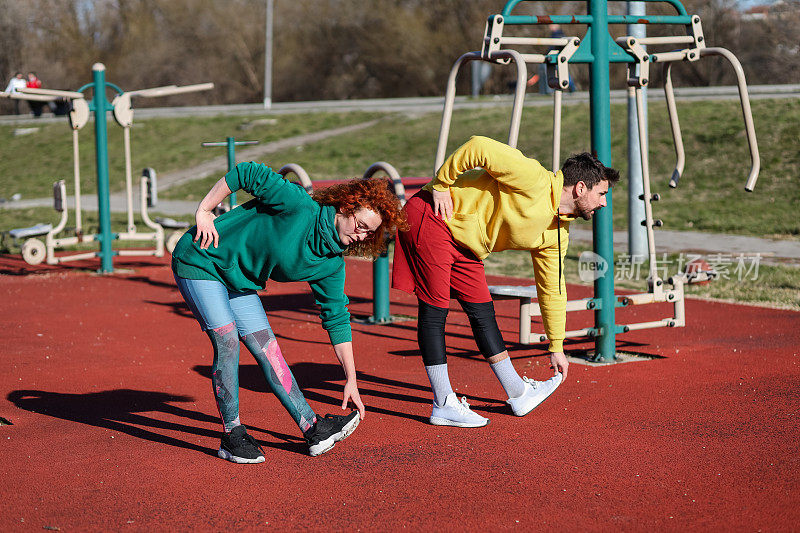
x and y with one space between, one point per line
583 211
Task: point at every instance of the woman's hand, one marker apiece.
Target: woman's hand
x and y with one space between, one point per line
443 204
206 231
344 352
351 393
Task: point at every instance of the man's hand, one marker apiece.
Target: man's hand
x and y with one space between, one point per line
206 231
558 362
443 204
351 393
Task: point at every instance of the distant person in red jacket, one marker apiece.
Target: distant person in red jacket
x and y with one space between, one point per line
34 83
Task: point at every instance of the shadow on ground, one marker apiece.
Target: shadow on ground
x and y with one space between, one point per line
322 382
126 411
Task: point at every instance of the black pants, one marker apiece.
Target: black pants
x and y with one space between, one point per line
430 330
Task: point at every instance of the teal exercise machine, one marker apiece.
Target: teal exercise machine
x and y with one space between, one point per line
597 48
230 145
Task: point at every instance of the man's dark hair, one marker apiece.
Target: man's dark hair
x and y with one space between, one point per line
587 168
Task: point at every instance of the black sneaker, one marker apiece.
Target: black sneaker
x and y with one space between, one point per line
239 447
329 430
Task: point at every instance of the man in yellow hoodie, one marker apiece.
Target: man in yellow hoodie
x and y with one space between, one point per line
489 197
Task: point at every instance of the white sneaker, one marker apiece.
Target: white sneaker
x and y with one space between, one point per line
456 413
535 393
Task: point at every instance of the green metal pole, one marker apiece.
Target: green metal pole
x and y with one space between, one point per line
231 164
380 289
101 106
603 230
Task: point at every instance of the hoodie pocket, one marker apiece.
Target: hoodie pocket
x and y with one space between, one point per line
468 230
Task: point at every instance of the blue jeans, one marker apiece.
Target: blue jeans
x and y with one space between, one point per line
214 306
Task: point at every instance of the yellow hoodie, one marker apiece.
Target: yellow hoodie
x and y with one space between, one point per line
503 200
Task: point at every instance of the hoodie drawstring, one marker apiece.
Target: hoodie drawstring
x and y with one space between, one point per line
558 223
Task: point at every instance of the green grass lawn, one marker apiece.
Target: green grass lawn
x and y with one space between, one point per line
710 197
29 164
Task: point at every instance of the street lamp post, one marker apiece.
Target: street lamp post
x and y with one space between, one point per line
268 56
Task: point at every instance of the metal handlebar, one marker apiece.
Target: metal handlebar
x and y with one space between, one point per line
169 90
519 97
747 114
300 172
121 104
51 92
744 100
675 126
399 188
206 144
24 96
149 92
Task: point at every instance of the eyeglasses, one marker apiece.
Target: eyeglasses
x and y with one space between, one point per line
361 227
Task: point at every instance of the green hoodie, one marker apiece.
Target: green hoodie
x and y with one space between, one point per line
282 234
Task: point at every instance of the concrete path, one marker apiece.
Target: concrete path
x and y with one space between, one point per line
117 202
219 165
771 251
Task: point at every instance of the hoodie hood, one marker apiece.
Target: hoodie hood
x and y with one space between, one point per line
324 239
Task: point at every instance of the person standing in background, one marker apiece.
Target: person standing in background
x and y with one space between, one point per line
16 83
34 83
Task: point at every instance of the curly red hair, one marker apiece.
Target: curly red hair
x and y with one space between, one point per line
375 194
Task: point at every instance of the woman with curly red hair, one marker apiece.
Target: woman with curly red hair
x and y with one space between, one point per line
285 235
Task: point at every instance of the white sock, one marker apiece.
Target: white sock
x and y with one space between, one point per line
509 379
440 382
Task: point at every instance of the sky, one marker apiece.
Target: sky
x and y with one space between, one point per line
746 4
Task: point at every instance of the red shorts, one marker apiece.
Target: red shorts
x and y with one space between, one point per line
429 263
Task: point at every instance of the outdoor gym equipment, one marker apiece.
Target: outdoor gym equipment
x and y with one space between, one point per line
35 251
380 267
598 49
561 50
673 115
637 82
79 116
230 143
301 174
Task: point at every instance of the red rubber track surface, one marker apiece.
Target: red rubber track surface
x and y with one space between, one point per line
114 426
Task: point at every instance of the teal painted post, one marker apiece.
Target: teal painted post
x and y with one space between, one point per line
380 289
101 106
603 230
231 164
